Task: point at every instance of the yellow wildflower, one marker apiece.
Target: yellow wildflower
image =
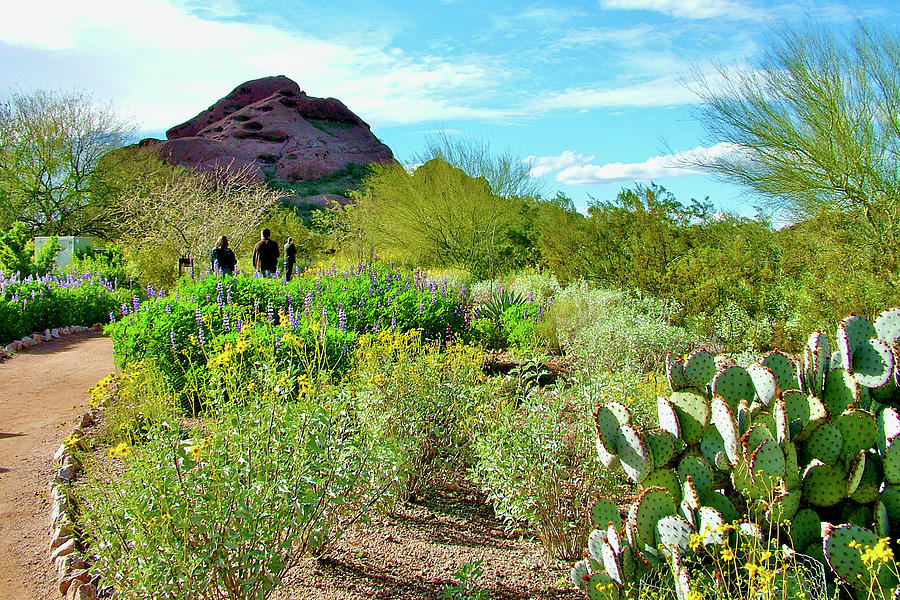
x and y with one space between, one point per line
241 345
728 554
120 449
379 379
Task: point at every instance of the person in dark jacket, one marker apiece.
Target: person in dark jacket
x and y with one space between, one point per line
290 258
265 255
222 257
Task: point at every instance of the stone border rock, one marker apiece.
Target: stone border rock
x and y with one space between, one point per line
73 575
34 339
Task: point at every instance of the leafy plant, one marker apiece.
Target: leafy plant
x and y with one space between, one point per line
467 587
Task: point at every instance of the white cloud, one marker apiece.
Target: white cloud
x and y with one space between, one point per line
691 9
166 60
656 167
541 165
663 91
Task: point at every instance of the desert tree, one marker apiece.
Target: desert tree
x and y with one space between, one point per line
437 215
815 128
184 214
50 143
507 174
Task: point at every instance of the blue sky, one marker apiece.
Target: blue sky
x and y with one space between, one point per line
593 92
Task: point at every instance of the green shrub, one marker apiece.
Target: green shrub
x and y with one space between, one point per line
224 509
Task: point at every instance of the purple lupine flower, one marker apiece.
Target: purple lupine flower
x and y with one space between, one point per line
525 313
270 312
277 342
550 301
112 317
530 298
226 323
172 340
256 306
346 349
124 309
200 337
168 309
149 291
540 311
228 294
239 324
342 317
420 307
198 317
324 315
220 295
393 322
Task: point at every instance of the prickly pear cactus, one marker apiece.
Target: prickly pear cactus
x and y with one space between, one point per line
797 443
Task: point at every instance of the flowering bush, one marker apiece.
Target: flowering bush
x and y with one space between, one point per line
184 332
29 304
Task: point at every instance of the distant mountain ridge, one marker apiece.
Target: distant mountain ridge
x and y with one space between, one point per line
276 130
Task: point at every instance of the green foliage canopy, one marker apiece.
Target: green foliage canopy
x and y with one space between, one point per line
50 143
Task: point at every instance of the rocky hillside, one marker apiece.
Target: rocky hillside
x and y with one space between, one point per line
272 127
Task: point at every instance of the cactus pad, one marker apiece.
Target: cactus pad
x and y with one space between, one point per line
668 418
890 497
767 464
711 525
633 453
600 586
891 464
887 325
755 436
882 520
846 561
764 382
711 444
857 469
873 363
596 539
700 368
651 505
699 470
604 512
824 485
805 529
693 414
612 563
579 574
690 499
609 417
870 483
791 466
888 424
733 384
675 373
661 444
722 417
801 411
852 332
606 453
783 369
673 531
666 479
859 431
824 443
818 357
722 504
779 417
841 389
784 507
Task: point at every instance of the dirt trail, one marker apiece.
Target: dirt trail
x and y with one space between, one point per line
42 392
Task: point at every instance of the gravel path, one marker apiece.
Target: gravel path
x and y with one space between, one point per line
42 392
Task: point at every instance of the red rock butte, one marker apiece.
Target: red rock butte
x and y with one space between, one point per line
270 125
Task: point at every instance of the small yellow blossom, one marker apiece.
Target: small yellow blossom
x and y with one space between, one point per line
728 554
120 449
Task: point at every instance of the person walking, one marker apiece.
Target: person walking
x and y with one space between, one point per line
290 258
222 257
265 255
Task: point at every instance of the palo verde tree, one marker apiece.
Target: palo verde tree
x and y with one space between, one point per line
437 215
816 130
50 143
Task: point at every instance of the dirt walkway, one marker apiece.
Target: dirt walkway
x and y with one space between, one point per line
42 391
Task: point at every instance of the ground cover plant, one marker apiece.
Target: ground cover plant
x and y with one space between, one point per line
30 303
